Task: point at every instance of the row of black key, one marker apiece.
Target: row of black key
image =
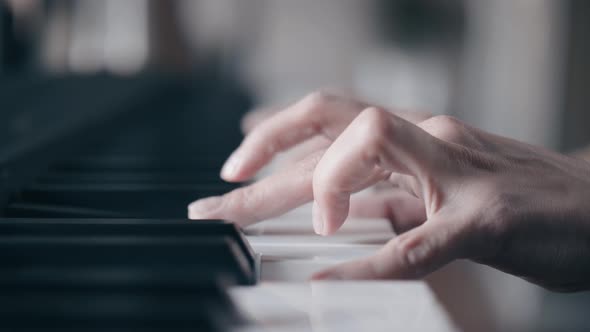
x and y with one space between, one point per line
62 268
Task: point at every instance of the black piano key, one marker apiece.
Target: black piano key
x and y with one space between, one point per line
72 229
200 307
37 210
133 177
217 258
137 228
131 200
136 163
134 170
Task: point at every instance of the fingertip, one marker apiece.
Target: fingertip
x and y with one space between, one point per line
335 217
330 227
317 219
232 179
204 208
329 274
353 270
325 222
236 177
231 168
239 168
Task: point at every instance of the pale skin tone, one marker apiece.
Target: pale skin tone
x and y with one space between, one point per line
452 191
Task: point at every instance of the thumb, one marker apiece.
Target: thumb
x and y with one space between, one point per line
410 255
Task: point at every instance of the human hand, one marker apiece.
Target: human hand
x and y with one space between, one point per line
516 207
300 126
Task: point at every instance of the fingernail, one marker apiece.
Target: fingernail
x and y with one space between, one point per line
318 221
230 168
203 208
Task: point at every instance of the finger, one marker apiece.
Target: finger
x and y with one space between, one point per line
376 145
317 114
259 115
411 255
403 210
267 198
304 149
256 117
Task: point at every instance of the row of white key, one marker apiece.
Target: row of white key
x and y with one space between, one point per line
285 299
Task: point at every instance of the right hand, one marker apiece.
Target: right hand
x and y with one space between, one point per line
468 193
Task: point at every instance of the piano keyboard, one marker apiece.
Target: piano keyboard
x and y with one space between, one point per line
97 175
93 235
285 300
111 273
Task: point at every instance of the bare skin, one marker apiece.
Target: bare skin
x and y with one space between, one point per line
454 191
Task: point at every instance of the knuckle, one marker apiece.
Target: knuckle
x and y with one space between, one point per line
445 121
375 115
445 127
316 101
374 123
312 109
403 247
373 126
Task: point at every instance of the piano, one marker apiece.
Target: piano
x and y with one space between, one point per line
96 173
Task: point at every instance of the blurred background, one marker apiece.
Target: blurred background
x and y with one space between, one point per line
516 68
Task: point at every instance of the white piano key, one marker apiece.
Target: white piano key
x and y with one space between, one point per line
298 225
319 241
302 250
299 222
285 299
291 251
295 270
342 307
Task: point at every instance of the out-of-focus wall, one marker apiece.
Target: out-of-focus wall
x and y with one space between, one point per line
575 133
293 46
306 45
505 77
514 68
